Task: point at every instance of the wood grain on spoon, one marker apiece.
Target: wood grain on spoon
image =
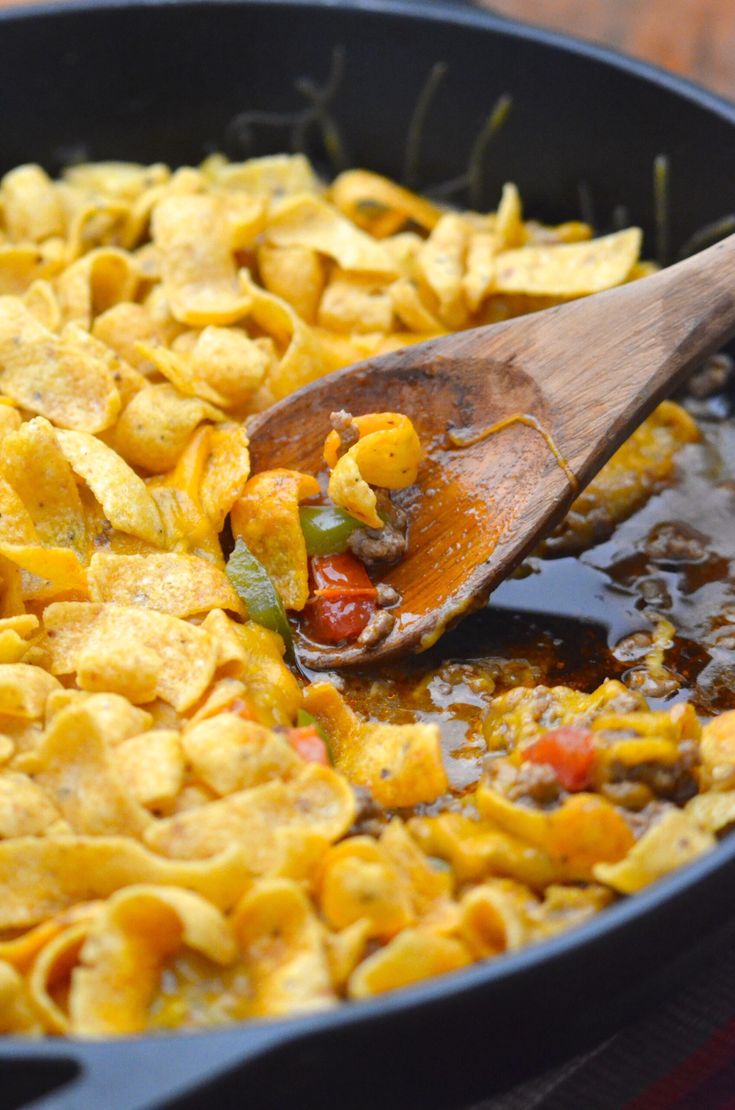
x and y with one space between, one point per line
588 372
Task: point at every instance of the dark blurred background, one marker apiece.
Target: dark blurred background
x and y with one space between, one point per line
691 37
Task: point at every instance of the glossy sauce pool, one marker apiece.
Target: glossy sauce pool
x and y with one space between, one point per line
563 621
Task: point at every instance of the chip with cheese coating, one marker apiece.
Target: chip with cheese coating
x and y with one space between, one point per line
93 636
125 949
41 876
157 424
569 269
152 767
387 454
34 464
380 206
408 958
401 764
94 283
199 271
180 585
75 767
229 754
282 945
51 375
672 841
123 495
317 800
32 208
266 517
307 221
253 655
225 472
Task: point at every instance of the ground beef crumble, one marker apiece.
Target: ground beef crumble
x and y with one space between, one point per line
674 782
346 429
377 628
382 546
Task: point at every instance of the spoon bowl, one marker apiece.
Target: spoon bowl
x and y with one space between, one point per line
515 419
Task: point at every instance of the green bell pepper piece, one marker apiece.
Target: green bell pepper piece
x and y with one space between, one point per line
326 529
255 586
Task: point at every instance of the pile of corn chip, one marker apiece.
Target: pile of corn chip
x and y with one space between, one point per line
167 857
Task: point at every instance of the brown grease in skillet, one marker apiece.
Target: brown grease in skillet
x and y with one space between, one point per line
559 624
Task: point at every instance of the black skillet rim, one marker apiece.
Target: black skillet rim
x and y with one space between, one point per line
462 12
617 919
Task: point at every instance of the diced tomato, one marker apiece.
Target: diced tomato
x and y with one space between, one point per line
343 601
571 753
330 620
308 744
341 572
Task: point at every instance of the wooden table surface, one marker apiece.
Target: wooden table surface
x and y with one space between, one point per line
692 37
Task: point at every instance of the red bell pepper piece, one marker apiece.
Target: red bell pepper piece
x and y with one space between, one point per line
569 751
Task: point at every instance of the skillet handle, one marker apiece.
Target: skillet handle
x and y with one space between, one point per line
137 1074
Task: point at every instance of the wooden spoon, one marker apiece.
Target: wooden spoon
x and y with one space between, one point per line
586 374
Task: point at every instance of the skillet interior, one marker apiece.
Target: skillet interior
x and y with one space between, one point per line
150 81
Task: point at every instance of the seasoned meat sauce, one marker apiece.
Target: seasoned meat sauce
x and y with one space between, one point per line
575 620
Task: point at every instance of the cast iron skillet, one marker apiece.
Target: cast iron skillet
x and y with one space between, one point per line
152 81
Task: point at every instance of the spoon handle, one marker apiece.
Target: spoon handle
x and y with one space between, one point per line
604 362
